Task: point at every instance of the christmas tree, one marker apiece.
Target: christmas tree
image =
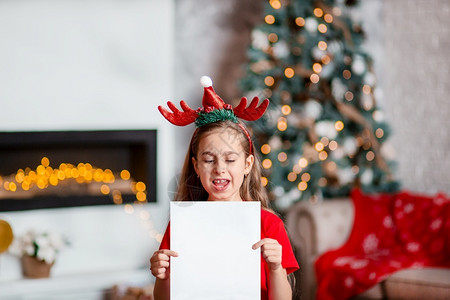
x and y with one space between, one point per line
323 133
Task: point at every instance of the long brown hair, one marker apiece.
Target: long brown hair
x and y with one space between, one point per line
190 188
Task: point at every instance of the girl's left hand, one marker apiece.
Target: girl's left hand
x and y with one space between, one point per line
271 251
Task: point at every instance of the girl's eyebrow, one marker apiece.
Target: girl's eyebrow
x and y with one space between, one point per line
225 153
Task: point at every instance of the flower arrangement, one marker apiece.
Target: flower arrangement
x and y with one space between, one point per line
42 245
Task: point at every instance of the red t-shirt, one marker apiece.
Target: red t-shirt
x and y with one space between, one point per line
271 227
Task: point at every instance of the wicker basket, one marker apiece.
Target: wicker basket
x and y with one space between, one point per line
34 268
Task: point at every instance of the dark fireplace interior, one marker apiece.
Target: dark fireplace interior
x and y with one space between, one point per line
56 161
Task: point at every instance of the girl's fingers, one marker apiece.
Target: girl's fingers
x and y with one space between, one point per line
159 262
266 244
163 255
271 251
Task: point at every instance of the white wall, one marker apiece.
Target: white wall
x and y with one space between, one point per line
88 65
417 88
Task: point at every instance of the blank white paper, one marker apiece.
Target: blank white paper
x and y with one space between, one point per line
214 242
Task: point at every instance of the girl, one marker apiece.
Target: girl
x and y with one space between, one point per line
220 165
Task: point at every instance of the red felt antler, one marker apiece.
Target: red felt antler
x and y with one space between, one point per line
250 113
177 117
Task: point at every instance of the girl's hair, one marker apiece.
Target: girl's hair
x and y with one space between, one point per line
190 187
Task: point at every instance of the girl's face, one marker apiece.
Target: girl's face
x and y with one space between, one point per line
221 164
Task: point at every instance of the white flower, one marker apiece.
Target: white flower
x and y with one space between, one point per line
413 247
408 208
436 224
357 264
43 245
29 250
47 254
387 222
370 243
349 281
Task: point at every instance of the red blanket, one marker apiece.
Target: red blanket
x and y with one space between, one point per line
390 232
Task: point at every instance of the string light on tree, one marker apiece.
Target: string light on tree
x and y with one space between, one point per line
323 120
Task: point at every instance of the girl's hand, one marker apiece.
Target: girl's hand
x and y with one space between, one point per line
159 263
271 251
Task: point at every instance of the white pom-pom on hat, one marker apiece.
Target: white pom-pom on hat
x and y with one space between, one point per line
206 81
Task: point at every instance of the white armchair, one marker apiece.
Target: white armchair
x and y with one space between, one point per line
316 228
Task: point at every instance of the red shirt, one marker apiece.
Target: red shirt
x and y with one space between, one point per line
271 227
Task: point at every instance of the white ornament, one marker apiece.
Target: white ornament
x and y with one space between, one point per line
345 176
317 53
313 109
378 93
205 81
378 116
388 151
259 40
367 176
311 24
275 142
326 128
335 47
281 49
359 65
366 101
338 153
350 146
278 191
338 89
327 70
370 79
288 198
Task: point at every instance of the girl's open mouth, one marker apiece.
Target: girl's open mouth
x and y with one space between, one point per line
221 184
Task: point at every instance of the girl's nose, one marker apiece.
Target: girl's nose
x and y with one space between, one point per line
220 167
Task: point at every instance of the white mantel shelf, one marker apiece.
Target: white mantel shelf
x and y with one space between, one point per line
89 286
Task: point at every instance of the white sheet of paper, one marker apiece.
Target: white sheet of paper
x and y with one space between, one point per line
214 242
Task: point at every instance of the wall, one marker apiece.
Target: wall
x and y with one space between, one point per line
211 39
77 65
417 75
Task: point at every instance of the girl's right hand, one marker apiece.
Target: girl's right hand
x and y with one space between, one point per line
159 263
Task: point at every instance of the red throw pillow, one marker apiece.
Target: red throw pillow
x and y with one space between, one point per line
373 227
423 227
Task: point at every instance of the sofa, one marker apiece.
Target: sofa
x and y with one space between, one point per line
315 228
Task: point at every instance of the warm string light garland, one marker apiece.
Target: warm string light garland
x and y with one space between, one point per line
104 180
45 177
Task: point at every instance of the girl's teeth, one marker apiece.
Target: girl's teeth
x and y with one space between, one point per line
220 181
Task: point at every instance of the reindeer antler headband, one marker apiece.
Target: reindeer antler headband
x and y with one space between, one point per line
214 109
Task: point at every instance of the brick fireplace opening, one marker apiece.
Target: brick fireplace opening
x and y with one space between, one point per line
76 168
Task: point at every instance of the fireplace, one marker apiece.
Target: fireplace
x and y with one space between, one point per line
76 168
